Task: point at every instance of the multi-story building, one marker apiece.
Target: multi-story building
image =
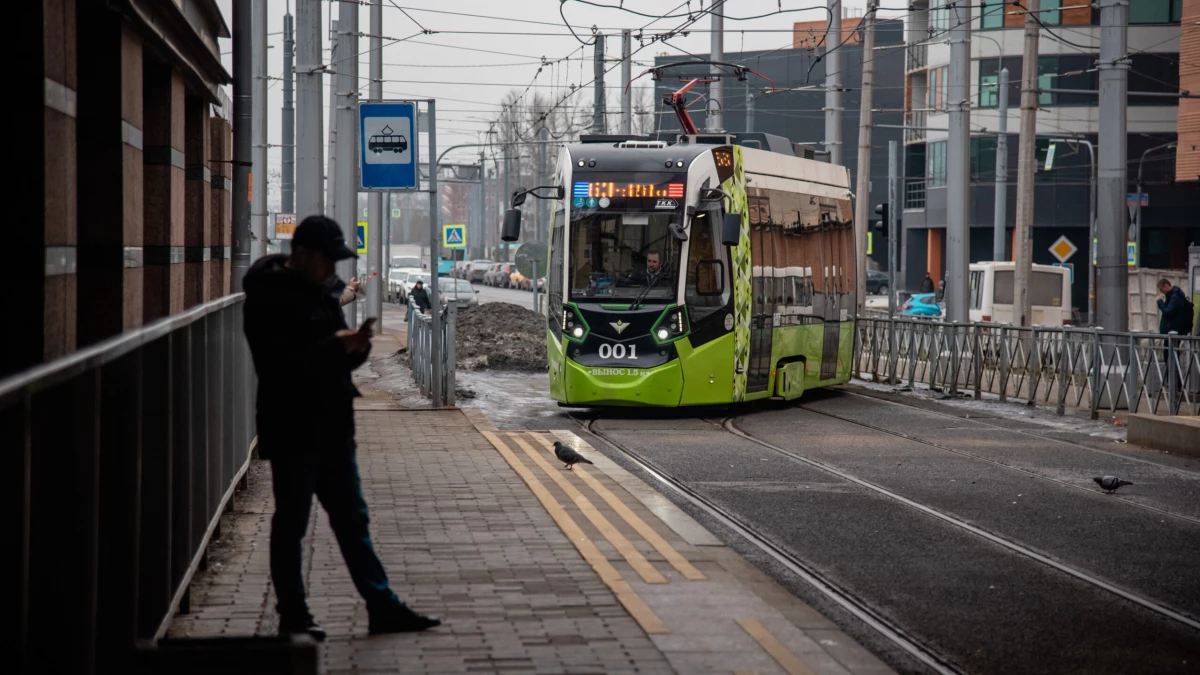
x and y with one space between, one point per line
1067 122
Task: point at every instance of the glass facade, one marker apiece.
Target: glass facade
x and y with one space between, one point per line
935 164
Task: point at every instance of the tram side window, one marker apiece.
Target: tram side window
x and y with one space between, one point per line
706 291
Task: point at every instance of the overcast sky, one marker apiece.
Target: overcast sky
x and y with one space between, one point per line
470 72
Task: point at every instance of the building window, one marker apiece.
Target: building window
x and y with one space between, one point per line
992 14
945 88
989 81
1051 15
983 159
935 164
941 19
1155 11
1047 72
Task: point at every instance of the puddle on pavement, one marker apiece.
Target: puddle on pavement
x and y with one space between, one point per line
512 400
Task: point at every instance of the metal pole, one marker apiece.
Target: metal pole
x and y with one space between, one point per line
1026 165
435 317
331 137
308 108
543 179
534 284
347 141
713 122
749 109
958 165
258 173
1000 219
833 84
1111 230
1091 317
626 75
895 176
243 131
504 196
376 271
598 99
387 236
862 186
483 227
287 183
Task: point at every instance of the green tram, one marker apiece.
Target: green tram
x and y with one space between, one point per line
700 272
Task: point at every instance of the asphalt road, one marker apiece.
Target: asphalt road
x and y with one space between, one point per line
981 605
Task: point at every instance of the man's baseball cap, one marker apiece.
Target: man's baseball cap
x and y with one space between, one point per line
318 233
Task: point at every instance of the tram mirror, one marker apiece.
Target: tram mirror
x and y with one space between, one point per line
518 197
560 192
711 194
678 231
731 229
512 225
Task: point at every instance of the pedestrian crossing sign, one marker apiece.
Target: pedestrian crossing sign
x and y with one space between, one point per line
454 236
362 237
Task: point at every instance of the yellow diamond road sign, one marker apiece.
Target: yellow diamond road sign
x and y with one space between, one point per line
1063 249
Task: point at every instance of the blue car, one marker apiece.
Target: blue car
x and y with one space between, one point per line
923 304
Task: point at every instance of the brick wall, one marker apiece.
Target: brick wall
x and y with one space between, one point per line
1187 162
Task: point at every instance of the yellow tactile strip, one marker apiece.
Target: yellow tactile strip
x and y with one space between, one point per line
771 645
638 561
661 545
633 603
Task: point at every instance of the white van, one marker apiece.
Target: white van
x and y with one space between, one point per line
991 297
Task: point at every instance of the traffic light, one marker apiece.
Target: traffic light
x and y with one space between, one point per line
881 225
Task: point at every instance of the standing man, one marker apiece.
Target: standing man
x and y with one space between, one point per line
926 284
1175 308
304 354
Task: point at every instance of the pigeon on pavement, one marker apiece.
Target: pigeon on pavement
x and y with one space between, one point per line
568 456
1111 483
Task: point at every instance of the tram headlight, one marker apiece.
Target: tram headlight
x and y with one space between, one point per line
573 325
671 326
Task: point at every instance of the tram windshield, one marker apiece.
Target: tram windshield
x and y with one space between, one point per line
621 255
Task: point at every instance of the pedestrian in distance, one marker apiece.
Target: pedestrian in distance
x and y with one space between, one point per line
941 291
350 292
1176 310
926 284
420 296
304 353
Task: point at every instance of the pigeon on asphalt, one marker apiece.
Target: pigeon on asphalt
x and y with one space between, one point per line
1111 483
568 456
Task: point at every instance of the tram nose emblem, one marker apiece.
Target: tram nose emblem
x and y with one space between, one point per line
619 326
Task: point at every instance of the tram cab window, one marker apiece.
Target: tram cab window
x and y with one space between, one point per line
706 290
617 255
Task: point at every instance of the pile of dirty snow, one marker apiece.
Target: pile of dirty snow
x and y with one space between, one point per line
501 336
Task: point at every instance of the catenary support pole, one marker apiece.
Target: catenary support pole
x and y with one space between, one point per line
435 230
598 94
347 141
331 136
243 131
376 273
958 165
749 108
543 178
258 172
626 74
833 84
895 185
862 186
287 124
1026 166
1112 287
483 222
1000 212
504 195
713 121
309 183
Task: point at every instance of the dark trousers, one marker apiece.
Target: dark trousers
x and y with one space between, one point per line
334 479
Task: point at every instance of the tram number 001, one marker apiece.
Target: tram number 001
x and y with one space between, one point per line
618 351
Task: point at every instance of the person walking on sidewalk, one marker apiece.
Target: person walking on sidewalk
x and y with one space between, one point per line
420 297
304 353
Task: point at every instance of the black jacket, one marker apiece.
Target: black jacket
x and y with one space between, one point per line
926 285
305 394
421 297
1176 312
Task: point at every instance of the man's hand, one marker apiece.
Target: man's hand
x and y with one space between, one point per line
354 284
355 340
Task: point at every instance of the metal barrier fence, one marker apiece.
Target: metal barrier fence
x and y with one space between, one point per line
1081 368
420 347
122 456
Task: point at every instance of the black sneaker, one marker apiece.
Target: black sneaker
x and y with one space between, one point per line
399 618
300 624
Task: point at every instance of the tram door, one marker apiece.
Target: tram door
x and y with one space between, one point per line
834 277
762 309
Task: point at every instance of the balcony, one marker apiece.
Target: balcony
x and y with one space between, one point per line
916 58
914 126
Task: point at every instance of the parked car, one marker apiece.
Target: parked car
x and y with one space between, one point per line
923 305
500 274
877 282
527 284
396 290
460 269
477 269
412 279
459 291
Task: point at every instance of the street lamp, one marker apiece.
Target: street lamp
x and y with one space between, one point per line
1137 228
1091 217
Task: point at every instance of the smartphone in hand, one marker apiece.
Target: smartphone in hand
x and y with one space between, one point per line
368 326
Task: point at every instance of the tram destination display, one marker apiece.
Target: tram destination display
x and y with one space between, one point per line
628 191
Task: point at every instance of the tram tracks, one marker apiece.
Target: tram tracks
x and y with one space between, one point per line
833 591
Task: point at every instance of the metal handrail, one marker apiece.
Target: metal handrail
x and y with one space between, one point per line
420 341
1062 366
124 456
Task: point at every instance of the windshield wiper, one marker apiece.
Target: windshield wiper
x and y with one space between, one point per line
637 302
